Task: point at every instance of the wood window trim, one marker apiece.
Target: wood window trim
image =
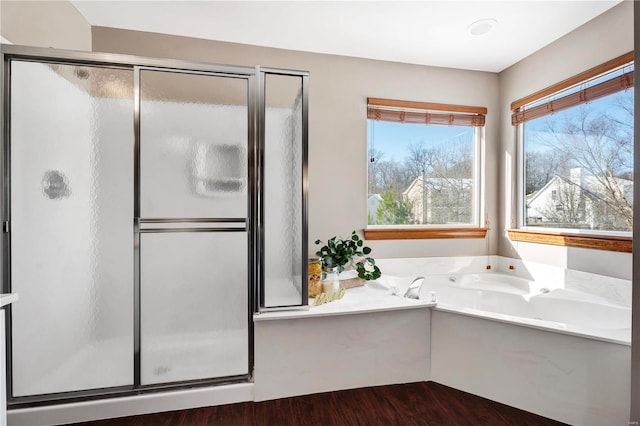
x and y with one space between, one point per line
423 233
567 239
576 79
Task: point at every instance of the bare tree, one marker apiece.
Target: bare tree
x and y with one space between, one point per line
601 144
445 172
541 167
387 175
433 183
421 159
453 172
374 180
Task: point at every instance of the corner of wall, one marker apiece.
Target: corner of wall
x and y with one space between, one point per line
603 38
55 24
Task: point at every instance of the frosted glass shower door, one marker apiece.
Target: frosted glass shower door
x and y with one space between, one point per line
193 149
194 306
71 211
283 195
194 285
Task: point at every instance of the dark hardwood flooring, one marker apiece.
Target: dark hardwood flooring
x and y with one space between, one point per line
425 403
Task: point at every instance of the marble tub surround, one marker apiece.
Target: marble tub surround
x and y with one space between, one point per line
613 329
614 289
588 291
507 298
573 302
422 266
573 367
556 368
369 337
296 356
568 378
373 296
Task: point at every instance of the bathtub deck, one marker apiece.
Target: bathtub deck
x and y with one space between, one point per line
421 403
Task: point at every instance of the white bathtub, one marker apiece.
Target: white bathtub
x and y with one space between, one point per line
558 347
516 300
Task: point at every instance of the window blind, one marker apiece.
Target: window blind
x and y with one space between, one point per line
609 87
425 113
522 113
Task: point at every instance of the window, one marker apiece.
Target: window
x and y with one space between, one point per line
424 164
576 147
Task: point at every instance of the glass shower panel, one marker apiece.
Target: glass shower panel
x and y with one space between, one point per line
71 209
193 153
194 311
282 201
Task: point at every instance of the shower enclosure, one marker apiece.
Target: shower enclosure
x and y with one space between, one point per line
150 207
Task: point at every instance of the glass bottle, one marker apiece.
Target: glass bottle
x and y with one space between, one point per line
315 276
330 280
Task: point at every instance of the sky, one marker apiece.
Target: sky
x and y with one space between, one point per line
536 129
395 139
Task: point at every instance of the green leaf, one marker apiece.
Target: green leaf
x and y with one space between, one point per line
338 252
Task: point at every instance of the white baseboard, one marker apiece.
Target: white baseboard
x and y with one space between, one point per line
131 405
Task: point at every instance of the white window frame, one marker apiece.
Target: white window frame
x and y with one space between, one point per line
515 212
478 189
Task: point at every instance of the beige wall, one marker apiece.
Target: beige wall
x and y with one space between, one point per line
605 37
338 91
339 87
44 24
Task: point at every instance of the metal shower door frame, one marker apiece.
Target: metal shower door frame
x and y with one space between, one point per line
253 224
162 225
261 73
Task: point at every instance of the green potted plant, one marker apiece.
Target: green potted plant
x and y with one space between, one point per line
337 253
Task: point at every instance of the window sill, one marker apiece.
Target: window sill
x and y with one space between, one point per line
423 234
597 242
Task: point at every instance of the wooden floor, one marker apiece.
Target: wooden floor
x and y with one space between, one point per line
425 403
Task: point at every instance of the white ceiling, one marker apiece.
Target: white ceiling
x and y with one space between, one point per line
417 32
